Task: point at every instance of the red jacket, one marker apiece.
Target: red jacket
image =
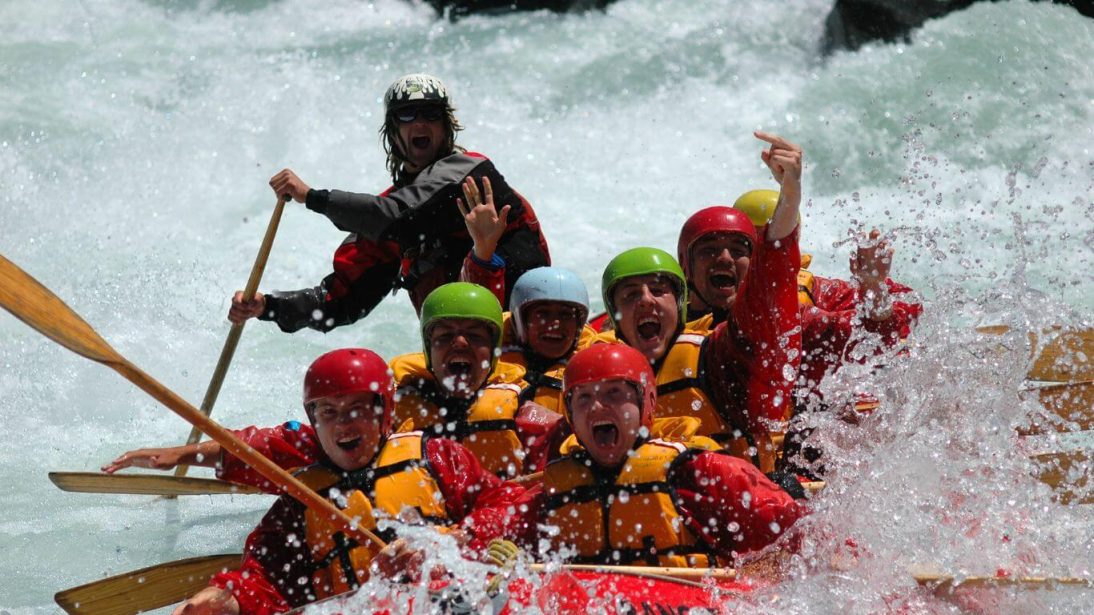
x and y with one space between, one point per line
410 236
277 557
752 359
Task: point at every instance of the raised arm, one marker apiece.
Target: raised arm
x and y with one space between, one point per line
784 159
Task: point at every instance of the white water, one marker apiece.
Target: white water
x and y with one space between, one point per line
136 139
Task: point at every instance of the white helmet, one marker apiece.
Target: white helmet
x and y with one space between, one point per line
418 87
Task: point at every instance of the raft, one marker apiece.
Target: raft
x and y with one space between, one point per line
566 591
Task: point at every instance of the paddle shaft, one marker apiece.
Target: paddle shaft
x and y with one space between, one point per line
235 446
229 349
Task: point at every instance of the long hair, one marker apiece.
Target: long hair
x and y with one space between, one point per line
389 138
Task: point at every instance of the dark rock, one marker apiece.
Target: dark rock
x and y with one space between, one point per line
853 23
461 8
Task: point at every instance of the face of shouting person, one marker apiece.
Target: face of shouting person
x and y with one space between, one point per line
552 328
421 134
647 313
349 428
606 418
718 264
460 352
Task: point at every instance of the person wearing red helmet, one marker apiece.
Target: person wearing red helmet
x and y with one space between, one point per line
715 249
735 379
842 321
409 236
632 489
295 556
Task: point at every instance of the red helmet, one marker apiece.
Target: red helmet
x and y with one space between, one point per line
601 362
713 219
351 370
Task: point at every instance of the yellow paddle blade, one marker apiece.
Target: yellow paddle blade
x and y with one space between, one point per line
147 588
145 484
1068 357
35 305
1070 474
1073 402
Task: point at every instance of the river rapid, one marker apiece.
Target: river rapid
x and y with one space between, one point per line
137 137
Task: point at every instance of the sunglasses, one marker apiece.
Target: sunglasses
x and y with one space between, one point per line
430 113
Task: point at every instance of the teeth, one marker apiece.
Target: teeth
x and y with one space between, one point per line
649 320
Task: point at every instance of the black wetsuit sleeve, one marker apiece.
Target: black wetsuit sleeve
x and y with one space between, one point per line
378 217
316 308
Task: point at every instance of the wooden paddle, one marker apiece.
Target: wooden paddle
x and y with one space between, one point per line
236 331
39 308
1069 357
146 484
1070 474
1073 402
947 583
147 588
724 574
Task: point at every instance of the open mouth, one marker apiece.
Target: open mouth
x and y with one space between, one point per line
348 444
420 142
459 368
605 434
723 281
649 327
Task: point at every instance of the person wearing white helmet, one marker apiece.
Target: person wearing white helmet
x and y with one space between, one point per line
412 234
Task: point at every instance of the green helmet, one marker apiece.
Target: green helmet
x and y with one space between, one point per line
758 205
643 261
460 300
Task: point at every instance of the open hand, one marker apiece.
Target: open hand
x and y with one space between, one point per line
484 223
872 260
153 458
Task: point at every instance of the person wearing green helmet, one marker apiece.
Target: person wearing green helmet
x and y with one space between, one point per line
411 235
456 388
736 378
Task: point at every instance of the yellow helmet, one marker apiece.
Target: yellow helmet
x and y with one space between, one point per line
758 205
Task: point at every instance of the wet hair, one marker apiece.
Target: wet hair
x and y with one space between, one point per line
389 138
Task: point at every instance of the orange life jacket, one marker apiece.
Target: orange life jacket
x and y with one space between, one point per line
400 478
627 518
805 282
485 424
680 392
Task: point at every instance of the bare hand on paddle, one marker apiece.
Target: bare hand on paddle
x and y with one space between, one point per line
484 223
242 310
870 266
784 159
204 454
209 601
287 183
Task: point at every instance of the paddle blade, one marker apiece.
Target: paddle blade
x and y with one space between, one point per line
1067 357
35 305
1070 473
144 484
1072 402
147 588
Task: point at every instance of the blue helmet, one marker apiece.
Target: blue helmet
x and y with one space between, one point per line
547 284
